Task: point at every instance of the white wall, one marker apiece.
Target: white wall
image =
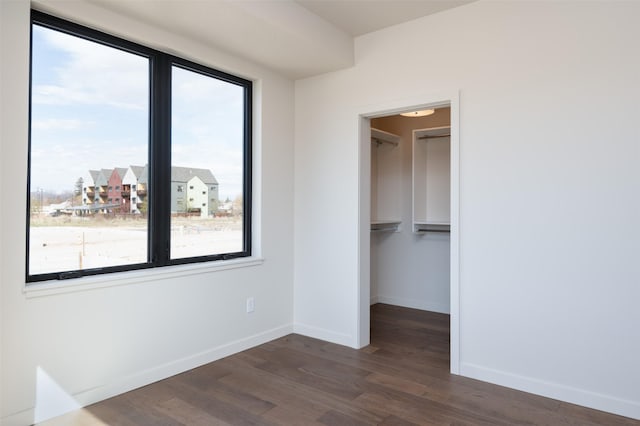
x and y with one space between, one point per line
135 330
548 199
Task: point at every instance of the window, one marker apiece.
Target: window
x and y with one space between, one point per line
104 107
209 121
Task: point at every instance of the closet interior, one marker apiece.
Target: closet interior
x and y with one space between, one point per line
410 211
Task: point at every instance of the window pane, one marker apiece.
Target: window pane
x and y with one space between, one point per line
207 165
89 150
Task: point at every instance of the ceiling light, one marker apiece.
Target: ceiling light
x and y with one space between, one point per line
420 113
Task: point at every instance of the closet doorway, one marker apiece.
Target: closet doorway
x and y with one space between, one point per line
409 222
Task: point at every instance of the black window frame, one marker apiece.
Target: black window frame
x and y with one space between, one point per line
159 202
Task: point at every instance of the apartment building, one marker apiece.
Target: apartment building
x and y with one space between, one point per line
124 190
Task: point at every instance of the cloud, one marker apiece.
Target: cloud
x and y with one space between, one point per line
58 124
57 165
92 74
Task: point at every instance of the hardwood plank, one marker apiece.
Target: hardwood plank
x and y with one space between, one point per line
287 393
225 406
123 411
335 418
421 410
399 384
395 421
280 391
187 414
283 415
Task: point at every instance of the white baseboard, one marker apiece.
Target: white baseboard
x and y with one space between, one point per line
143 378
569 394
324 334
374 300
424 305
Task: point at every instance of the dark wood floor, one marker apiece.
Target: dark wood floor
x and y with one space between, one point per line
400 379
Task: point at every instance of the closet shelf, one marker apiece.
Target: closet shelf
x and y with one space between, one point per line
385 225
380 137
421 227
434 133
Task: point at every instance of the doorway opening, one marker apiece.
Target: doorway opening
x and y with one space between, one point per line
409 197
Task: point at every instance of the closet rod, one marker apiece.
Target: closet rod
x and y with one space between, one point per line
381 141
434 136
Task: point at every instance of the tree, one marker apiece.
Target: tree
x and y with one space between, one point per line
78 187
238 205
77 192
143 208
36 202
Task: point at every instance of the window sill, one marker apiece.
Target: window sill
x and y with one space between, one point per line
52 288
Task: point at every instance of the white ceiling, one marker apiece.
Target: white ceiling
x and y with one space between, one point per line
358 17
298 38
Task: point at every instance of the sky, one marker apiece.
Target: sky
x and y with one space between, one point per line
90 111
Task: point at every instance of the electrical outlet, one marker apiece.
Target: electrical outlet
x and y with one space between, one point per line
250 305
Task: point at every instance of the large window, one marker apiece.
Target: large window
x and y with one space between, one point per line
137 158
